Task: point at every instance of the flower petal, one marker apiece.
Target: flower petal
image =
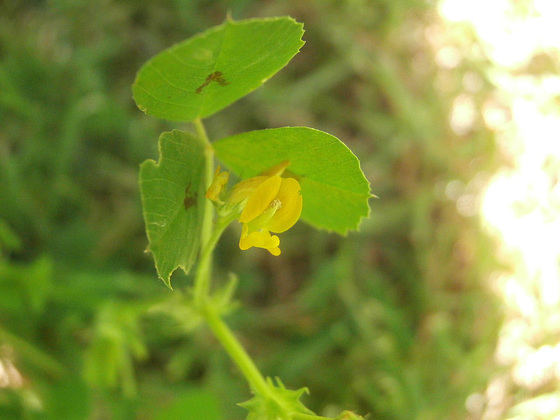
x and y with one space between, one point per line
218 183
244 189
259 239
289 195
274 251
277 170
261 198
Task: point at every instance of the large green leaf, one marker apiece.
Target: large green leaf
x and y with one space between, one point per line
200 76
172 198
335 191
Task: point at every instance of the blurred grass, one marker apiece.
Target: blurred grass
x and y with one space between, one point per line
395 321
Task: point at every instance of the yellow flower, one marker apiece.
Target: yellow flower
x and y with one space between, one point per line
268 203
273 205
218 183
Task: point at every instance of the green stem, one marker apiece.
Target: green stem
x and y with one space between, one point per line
215 322
202 279
202 285
206 230
204 269
237 352
213 318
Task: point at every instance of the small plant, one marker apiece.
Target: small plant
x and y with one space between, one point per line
285 174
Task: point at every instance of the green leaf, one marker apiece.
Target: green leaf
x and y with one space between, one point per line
334 189
281 404
172 198
204 74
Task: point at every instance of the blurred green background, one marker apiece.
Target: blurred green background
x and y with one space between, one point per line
395 321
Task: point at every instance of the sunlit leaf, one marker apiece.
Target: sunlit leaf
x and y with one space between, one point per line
172 191
335 191
205 73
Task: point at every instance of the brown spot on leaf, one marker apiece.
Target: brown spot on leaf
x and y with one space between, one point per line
190 198
217 76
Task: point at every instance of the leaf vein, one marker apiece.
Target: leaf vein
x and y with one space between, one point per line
138 85
166 80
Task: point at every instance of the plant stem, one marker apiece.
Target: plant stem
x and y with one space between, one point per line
209 239
206 230
202 285
236 352
204 269
213 318
202 279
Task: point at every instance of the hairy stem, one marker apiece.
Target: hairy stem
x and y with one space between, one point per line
202 280
210 234
204 269
236 352
209 238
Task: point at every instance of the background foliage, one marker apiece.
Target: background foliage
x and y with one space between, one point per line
395 321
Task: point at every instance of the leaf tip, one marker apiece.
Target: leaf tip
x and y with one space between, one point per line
167 283
165 277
